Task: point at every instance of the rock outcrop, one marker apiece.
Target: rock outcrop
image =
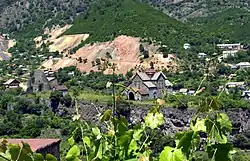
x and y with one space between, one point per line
175 119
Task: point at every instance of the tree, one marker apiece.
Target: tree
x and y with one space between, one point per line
55 97
80 59
129 74
141 48
66 100
98 61
146 54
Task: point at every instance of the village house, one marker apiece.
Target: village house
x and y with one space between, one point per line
246 95
42 146
240 85
12 83
62 89
243 65
147 85
186 46
39 82
183 91
229 53
202 55
191 92
236 46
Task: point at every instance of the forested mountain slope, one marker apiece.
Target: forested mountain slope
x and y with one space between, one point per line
184 9
108 19
17 14
230 25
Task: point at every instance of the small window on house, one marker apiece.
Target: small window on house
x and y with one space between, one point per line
161 84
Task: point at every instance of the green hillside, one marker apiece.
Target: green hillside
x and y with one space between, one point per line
106 20
230 25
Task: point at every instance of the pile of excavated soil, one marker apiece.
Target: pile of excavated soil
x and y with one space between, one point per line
124 52
63 44
4 46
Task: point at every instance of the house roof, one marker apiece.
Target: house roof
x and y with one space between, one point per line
10 81
230 52
246 93
183 90
191 91
226 45
35 144
243 64
236 83
202 54
150 71
143 91
60 88
168 83
150 84
51 78
143 76
156 76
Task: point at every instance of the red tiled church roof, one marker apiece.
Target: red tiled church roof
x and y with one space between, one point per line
35 144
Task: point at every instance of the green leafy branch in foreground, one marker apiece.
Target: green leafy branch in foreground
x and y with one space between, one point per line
117 140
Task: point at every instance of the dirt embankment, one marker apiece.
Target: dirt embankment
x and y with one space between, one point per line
63 44
5 44
123 51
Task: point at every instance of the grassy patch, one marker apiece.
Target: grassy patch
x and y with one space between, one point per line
94 97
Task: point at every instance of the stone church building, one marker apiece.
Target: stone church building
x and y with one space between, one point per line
147 85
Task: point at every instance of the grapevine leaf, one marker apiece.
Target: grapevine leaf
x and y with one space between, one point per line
96 131
14 150
220 152
134 159
5 155
71 141
38 157
186 142
153 120
73 153
106 116
133 147
124 141
87 141
137 134
199 125
122 126
225 122
171 154
50 157
3 146
100 152
215 104
214 131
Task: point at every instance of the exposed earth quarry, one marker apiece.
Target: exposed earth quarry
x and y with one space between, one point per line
5 44
124 51
62 44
